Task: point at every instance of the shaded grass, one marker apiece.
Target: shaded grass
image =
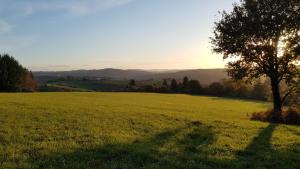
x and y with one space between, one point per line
132 130
168 149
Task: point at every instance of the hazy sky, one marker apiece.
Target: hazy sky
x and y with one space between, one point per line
86 34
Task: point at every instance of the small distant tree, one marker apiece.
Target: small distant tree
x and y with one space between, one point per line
263 38
163 88
216 89
295 98
185 82
132 83
28 82
11 73
148 88
174 85
243 91
260 91
194 87
230 88
165 83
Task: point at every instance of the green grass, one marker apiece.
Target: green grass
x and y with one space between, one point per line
131 130
91 85
66 88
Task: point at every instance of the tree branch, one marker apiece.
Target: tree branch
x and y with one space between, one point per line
287 94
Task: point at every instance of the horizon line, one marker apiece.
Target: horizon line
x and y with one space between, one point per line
108 68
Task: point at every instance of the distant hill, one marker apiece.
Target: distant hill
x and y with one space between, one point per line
205 76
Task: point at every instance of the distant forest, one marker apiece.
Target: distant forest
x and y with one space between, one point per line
257 90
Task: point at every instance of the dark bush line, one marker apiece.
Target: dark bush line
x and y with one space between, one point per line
290 116
226 88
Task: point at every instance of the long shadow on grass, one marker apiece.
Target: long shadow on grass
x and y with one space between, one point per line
260 153
182 148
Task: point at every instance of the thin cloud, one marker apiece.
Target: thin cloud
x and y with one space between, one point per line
78 7
96 5
5 27
8 44
58 67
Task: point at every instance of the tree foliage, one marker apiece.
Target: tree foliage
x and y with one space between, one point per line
194 87
14 77
185 81
28 82
263 38
174 85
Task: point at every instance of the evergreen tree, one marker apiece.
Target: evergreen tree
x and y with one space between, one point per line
14 77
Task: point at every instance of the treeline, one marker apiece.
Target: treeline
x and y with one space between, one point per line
14 77
258 90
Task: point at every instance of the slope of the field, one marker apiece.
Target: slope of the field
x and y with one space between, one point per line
131 130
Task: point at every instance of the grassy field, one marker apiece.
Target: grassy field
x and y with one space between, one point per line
132 131
80 85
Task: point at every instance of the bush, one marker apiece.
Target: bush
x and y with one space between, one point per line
261 116
290 116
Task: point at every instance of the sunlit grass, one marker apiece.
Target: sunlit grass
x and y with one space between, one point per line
132 130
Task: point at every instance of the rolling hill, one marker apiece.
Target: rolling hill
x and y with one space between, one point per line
205 76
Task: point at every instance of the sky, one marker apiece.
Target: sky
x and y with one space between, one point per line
95 34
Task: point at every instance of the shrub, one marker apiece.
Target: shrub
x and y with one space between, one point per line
292 116
261 116
289 116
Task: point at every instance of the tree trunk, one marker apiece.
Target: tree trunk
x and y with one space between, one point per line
276 115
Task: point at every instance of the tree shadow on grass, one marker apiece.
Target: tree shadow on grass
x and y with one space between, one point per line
259 151
261 154
181 148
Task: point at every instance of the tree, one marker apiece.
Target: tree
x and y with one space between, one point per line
243 91
148 88
132 83
259 91
28 82
295 99
264 38
216 89
194 87
185 82
11 73
165 83
14 77
174 85
230 88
